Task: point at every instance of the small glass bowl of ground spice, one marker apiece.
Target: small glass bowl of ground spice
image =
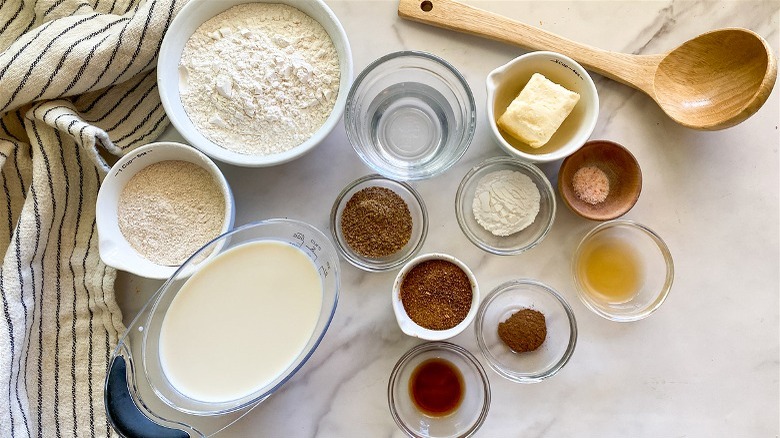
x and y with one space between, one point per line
505 206
158 205
378 223
435 297
601 181
526 330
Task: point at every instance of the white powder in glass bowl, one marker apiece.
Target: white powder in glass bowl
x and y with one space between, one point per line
506 202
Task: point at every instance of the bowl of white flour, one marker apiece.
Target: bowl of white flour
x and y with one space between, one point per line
254 83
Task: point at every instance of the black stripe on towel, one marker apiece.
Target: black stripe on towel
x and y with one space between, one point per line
149 132
8 203
167 23
10 324
7 131
37 215
73 277
34 64
21 180
12 19
113 5
26 45
91 331
52 108
51 8
143 35
70 48
108 345
34 194
132 108
58 289
43 287
119 101
119 41
83 67
21 296
130 5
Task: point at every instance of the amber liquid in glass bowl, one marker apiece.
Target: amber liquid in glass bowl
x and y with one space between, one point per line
436 387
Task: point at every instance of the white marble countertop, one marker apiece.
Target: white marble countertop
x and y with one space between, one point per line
705 364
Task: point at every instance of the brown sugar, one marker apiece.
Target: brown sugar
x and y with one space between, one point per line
436 294
376 222
524 331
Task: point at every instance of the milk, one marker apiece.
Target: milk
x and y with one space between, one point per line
240 321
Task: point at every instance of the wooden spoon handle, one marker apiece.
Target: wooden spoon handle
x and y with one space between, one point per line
634 70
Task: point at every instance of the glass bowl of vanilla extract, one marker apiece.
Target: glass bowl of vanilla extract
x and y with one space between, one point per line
438 389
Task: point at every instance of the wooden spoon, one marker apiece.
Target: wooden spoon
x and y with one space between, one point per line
711 82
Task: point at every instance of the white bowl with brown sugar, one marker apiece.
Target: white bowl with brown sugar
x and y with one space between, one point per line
435 296
254 83
158 205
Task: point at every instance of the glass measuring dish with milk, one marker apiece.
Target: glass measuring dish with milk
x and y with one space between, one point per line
229 335
240 321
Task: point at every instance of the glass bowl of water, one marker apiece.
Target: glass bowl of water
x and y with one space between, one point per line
410 115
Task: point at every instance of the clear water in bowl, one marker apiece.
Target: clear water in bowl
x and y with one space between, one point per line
410 122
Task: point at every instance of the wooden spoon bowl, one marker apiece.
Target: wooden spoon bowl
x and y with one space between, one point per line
622 170
716 79
713 81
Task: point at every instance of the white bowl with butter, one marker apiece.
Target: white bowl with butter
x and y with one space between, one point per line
505 83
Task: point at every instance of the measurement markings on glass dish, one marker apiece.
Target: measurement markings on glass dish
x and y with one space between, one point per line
314 249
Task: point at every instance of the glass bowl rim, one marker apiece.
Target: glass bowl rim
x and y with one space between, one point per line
662 294
469 107
362 262
257 396
469 176
433 346
498 368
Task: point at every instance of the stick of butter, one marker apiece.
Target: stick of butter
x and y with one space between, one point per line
538 111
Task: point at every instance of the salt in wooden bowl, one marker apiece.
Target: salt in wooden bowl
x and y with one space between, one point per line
623 173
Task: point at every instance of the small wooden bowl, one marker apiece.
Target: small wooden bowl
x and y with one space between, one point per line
622 169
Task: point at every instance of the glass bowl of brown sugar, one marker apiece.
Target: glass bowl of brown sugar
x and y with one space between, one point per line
378 224
526 330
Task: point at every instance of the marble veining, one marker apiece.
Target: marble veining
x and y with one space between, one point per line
706 364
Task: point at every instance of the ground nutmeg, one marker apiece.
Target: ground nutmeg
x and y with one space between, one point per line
376 222
436 294
524 331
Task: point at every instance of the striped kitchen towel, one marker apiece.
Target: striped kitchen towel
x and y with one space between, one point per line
77 83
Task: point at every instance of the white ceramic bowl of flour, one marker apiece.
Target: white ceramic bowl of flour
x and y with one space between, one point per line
170 78
114 248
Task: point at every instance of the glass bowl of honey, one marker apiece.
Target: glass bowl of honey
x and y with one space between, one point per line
623 270
438 389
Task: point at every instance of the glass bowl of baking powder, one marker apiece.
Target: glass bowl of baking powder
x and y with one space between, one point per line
505 206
